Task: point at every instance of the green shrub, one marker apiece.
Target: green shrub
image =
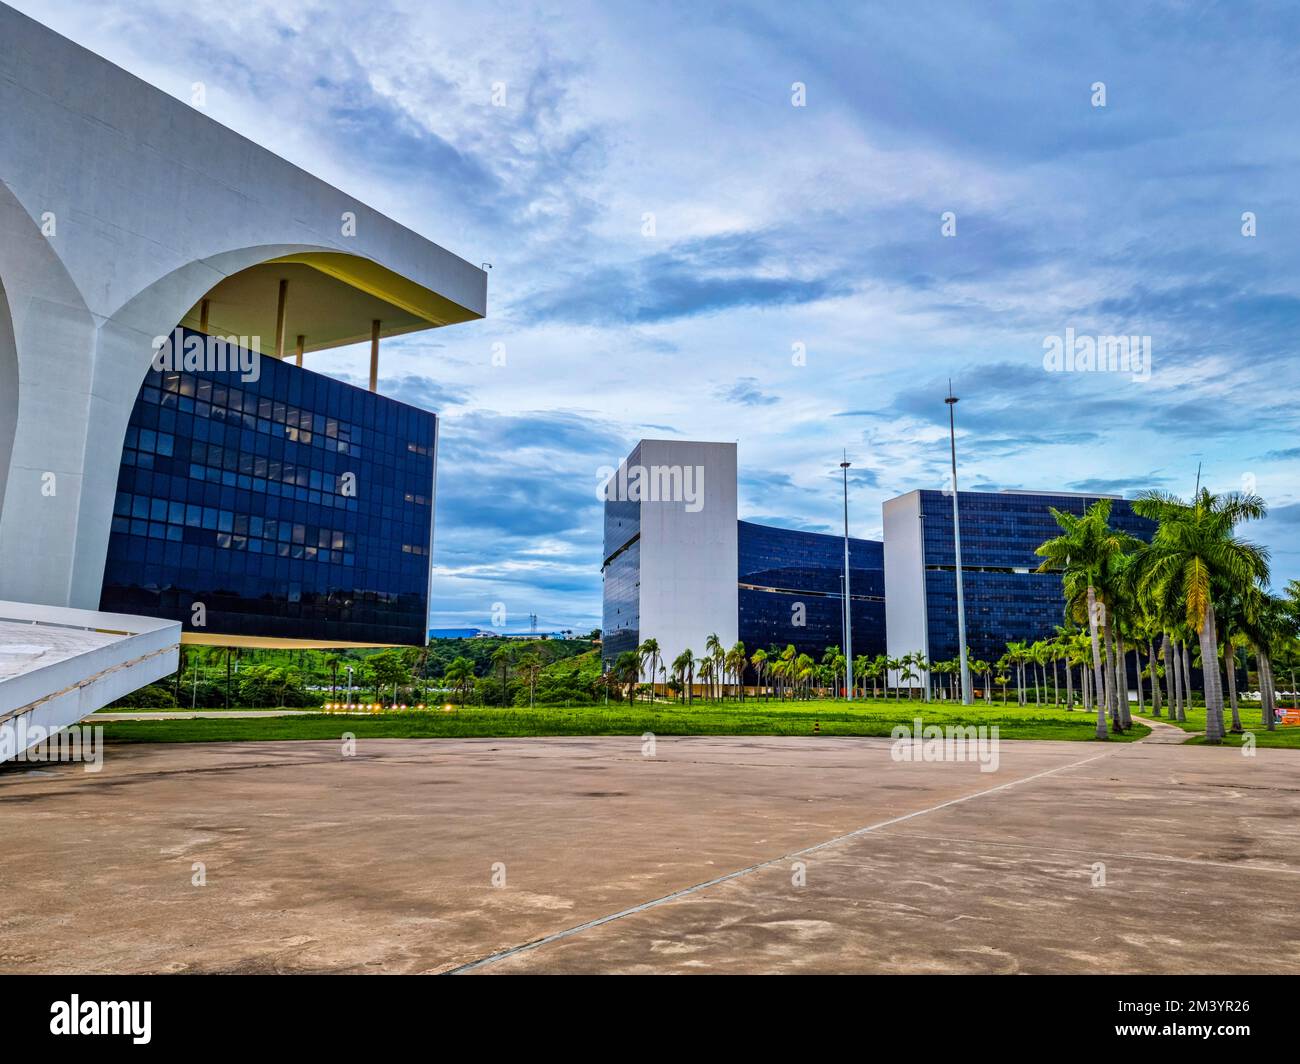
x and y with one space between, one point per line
155 696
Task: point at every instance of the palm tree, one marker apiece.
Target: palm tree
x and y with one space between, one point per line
893 666
759 662
1040 652
713 648
502 659
879 664
981 668
706 676
833 657
1084 553
736 666
627 670
788 666
805 669
684 673
861 669
1194 552
1016 652
1265 625
332 662
649 651
923 668
905 673
459 674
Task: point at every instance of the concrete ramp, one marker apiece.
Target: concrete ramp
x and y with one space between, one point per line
58 665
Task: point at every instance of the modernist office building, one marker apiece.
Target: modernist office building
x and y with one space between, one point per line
668 566
289 506
1005 599
237 495
679 566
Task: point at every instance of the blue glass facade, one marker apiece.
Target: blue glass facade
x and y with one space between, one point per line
621 612
1005 600
788 576
239 495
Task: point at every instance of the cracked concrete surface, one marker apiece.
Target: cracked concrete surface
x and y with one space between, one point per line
1073 857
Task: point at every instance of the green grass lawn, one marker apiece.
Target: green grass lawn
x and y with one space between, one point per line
875 717
1250 713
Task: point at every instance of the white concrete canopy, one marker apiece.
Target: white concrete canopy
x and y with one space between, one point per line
120 209
58 665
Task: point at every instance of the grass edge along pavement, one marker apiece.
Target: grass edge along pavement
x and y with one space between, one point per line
833 718
1284 736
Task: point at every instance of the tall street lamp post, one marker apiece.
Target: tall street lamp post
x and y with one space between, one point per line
925 615
966 695
848 602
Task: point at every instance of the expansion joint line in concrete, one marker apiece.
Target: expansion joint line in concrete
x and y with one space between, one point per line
546 940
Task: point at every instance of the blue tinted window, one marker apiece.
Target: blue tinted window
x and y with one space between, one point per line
224 514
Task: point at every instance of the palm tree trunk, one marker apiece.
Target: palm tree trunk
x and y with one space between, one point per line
1210 677
1180 678
1121 682
1155 679
1267 692
1108 673
1137 660
1094 607
1261 671
1230 663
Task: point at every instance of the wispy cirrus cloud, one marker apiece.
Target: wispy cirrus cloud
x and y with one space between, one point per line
795 292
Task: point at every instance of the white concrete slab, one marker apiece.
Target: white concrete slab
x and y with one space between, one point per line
58 665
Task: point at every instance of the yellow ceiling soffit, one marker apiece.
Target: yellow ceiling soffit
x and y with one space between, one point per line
383 283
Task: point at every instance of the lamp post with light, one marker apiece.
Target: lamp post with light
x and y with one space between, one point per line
848 601
966 695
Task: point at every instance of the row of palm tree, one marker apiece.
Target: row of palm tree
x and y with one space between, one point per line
1197 588
1194 597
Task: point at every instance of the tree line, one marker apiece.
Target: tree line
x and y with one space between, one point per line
1194 598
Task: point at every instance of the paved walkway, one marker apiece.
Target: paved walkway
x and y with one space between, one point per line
1164 733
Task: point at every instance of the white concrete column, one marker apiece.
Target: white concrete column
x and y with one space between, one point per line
47 346
281 304
374 356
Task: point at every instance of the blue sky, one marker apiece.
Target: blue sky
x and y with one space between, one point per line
776 226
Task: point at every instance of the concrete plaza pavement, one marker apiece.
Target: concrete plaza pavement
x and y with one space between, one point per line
435 855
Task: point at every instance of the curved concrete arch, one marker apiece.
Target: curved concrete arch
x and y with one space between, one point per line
171 295
124 351
47 358
155 204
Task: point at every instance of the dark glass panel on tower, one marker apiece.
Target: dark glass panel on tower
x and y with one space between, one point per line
792 591
291 506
